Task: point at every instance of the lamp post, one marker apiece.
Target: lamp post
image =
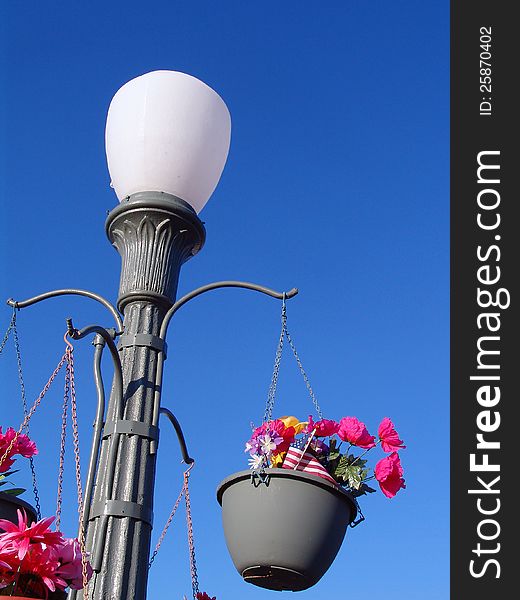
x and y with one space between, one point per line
167 140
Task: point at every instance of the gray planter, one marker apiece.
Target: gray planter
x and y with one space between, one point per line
283 534
8 506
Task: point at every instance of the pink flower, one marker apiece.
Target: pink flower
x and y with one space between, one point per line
324 427
21 536
389 474
40 561
354 431
71 567
389 437
23 446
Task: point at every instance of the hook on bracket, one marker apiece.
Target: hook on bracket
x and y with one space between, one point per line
180 436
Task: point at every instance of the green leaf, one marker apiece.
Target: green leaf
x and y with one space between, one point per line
359 462
363 489
15 491
341 467
353 476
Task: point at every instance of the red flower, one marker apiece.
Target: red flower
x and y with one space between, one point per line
354 431
8 562
21 536
389 437
42 563
204 596
324 427
287 433
389 474
23 446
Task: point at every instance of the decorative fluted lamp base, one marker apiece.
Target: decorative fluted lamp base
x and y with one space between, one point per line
155 233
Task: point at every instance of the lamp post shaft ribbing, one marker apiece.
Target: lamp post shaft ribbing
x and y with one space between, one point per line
155 234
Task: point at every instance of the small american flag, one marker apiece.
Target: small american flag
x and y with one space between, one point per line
299 459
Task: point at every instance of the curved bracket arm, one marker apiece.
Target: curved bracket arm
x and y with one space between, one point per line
71 292
182 442
181 302
118 371
221 284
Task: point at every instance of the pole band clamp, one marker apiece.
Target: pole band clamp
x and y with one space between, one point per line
142 339
122 508
131 428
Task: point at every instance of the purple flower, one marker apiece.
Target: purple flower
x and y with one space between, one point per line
319 446
252 446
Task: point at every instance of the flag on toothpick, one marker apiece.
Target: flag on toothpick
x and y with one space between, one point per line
299 458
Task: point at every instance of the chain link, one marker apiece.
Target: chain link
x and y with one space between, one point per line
59 496
69 389
304 375
75 434
25 411
276 370
33 408
8 331
191 542
167 525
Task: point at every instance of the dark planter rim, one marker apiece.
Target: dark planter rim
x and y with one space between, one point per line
291 474
16 500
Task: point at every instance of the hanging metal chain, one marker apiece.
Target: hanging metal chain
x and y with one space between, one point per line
25 411
276 370
33 408
59 496
8 331
168 523
304 375
75 434
191 542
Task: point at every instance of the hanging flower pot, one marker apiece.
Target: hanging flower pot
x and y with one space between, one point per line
283 530
285 520
9 504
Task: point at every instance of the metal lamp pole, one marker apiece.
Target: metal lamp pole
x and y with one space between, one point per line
155 234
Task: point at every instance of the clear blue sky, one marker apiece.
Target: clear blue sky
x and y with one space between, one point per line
336 183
